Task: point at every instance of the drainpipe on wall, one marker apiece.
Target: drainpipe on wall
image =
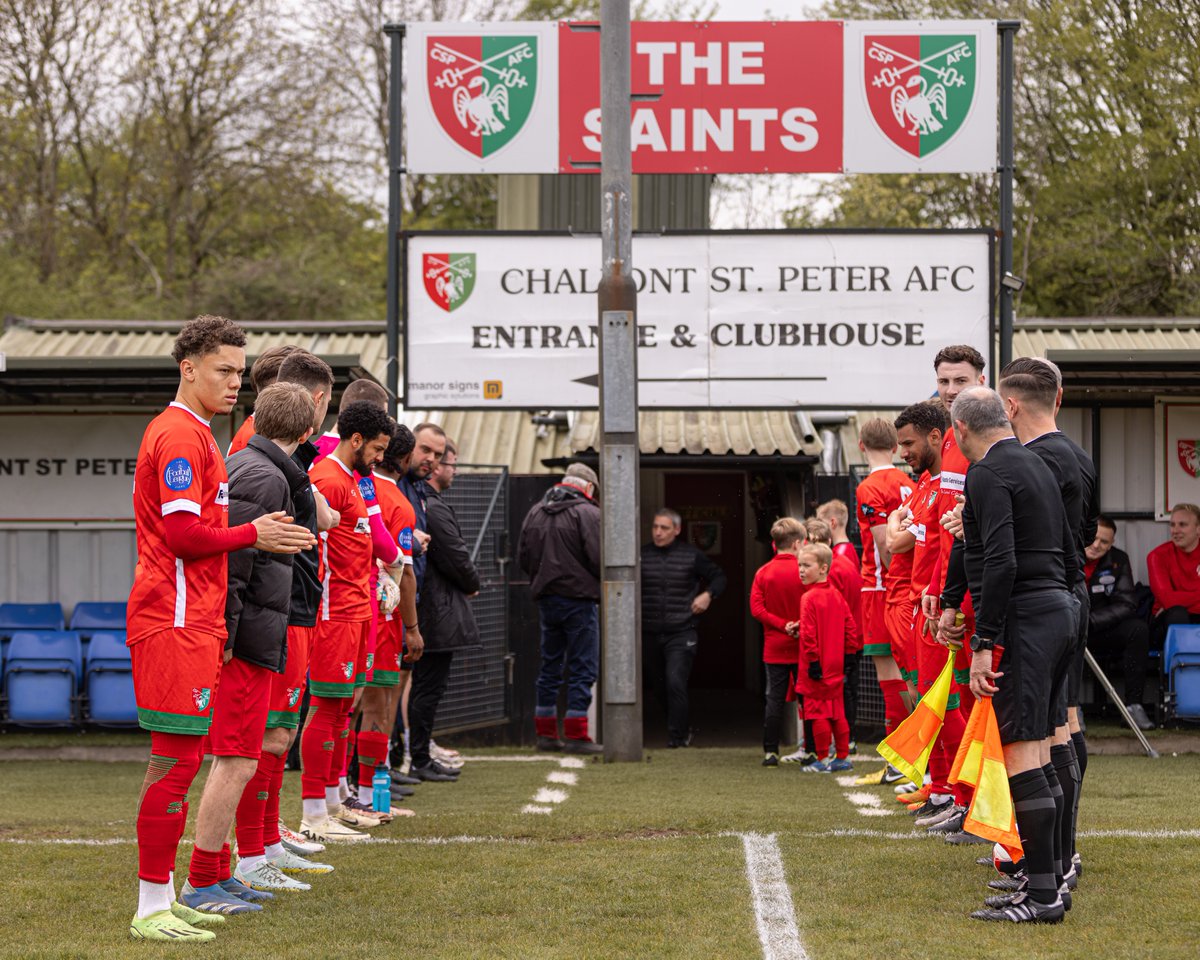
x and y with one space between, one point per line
829 423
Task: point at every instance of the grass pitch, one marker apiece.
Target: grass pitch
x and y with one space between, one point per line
639 860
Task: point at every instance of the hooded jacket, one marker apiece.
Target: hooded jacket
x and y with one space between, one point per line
262 480
444 610
560 545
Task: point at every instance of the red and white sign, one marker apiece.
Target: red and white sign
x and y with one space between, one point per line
712 97
1177 460
734 97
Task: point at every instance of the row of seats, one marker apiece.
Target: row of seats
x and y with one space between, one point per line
55 676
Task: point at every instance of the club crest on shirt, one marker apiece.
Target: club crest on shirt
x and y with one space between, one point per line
362 525
932 496
178 475
370 660
348 669
293 695
201 697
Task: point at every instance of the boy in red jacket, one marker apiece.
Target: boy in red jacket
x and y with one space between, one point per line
775 603
827 634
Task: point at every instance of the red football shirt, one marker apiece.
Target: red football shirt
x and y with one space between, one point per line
953 483
178 469
878 496
346 551
925 552
398 514
242 437
899 576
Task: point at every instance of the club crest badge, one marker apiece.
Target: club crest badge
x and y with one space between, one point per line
449 278
348 669
920 88
482 89
1188 458
293 695
201 697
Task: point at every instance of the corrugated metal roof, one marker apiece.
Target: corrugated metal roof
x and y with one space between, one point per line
1035 337
717 432
500 437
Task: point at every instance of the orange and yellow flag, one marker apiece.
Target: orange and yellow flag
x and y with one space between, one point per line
907 748
980 763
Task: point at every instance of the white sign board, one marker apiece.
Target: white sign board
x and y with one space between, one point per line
1176 453
744 320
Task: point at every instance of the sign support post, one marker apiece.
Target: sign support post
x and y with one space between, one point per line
395 34
1008 32
620 613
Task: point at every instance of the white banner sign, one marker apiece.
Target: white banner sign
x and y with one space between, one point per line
1176 453
841 320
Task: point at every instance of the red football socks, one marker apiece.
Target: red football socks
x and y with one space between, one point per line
372 752
841 738
341 740
893 703
226 867
250 809
162 808
276 766
325 719
822 735
205 868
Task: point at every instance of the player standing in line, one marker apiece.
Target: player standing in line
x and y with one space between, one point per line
176 611
340 638
877 497
837 515
394 631
263 372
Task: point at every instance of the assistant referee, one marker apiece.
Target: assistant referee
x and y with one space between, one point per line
1018 546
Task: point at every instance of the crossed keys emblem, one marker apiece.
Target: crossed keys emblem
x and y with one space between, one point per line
508 75
915 101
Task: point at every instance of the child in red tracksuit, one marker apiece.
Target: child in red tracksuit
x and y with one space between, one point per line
827 634
775 603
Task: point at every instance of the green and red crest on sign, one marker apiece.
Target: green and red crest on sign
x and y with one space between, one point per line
449 278
920 88
482 88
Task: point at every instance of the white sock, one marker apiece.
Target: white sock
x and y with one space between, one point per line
937 799
314 809
274 851
343 789
249 863
333 797
171 886
152 898
366 795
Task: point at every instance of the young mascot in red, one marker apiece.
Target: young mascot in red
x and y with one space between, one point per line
827 633
775 603
176 612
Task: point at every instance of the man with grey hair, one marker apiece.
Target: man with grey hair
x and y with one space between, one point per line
678 584
560 551
1025 619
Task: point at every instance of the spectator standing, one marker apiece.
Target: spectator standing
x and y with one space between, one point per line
445 614
1113 623
560 551
679 582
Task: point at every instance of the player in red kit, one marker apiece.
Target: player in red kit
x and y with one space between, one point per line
837 515
176 611
877 497
263 372
344 619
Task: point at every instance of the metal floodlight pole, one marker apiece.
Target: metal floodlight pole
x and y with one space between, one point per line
620 614
1008 32
395 34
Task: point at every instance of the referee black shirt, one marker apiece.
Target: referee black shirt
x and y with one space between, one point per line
1076 476
1016 538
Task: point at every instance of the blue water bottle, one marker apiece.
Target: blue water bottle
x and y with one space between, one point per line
381 791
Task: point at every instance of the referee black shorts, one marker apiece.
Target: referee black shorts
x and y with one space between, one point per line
1075 673
1039 638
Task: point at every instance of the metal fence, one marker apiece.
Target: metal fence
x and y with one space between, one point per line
478 690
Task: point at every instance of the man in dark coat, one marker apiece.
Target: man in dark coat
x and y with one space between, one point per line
1113 624
560 551
444 612
678 584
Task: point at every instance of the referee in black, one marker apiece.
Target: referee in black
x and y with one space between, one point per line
1018 559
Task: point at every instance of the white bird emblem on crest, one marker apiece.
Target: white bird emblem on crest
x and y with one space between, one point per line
919 108
481 109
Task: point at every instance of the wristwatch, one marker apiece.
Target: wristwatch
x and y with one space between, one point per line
979 643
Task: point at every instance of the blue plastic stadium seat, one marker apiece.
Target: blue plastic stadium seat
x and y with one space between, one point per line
90 617
30 616
1181 664
108 680
41 678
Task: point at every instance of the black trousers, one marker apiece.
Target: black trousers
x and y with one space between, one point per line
430 675
779 677
850 689
667 661
1130 639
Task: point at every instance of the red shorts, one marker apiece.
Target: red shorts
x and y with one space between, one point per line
833 708
336 649
287 688
174 678
240 712
389 644
364 662
898 617
876 641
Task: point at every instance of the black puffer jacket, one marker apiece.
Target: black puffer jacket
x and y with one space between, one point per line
560 545
1111 592
671 578
306 585
262 479
444 612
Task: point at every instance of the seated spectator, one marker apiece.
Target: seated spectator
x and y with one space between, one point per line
1174 569
1114 627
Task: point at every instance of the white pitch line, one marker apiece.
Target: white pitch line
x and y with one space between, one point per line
547 795
860 799
535 808
514 758
774 913
845 781
572 763
562 776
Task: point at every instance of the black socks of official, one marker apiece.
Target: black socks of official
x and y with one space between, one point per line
1036 812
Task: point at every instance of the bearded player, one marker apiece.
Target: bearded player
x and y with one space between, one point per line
176 611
